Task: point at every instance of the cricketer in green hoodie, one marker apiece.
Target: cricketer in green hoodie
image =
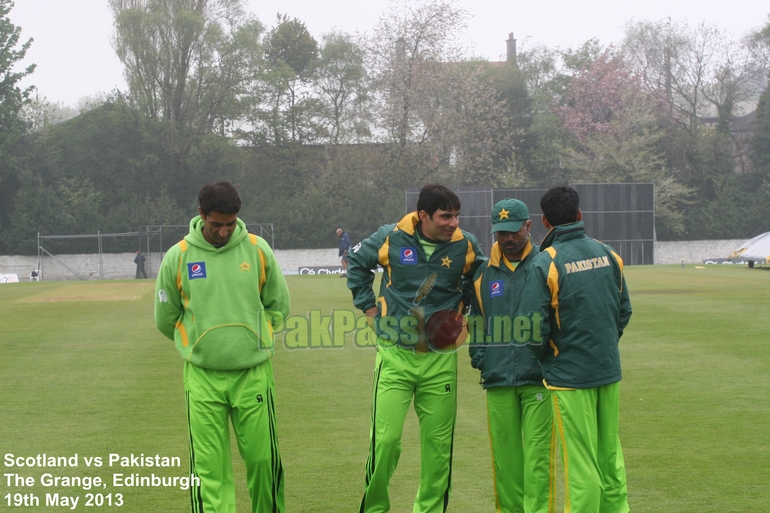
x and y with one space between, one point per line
219 305
218 296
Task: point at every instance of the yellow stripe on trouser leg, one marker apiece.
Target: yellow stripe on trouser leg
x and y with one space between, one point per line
431 378
611 462
246 398
595 478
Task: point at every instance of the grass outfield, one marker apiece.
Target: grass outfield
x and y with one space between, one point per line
83 371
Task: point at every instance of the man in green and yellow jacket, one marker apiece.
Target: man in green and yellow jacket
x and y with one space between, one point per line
576 287
218 296
428 263
518 405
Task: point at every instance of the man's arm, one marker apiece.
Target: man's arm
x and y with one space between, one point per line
274 293
477 348
472 265
168 302
624 315
536 303
363 258
625 308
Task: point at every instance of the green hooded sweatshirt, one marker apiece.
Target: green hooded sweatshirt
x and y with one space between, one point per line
220 305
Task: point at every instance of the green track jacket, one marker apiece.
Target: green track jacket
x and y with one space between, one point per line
502 360
576 284
219 306
409 279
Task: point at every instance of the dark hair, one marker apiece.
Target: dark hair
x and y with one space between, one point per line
219 197
560 205
435 196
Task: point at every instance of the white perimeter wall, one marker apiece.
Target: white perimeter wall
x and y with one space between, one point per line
121 265
694 251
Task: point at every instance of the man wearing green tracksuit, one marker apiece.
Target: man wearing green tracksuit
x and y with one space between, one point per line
576 286
428 267
518 405
218 296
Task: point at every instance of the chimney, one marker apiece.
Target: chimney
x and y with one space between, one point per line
511 49
400 49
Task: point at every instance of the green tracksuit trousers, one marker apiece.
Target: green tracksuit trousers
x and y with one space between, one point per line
246 398
523 446
594 471
431 380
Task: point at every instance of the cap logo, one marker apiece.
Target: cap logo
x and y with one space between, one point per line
196 270
503 214
496 288
408 255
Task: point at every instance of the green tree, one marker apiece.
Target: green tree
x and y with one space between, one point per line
341 83
700 71
760 138
12 100
407 49
410 55
467 131
546 79
40 114
614 124
187 61
511 86
36 210
12 97
759 43
291 53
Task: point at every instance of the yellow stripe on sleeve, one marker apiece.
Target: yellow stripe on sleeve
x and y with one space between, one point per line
470 257
384 259
182 333
553 285
620 264
477 286
262 271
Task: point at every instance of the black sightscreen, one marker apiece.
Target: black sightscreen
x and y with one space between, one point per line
620 215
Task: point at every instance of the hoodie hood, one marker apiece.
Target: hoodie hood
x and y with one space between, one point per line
196 238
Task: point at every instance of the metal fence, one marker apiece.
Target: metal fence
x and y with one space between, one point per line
109 255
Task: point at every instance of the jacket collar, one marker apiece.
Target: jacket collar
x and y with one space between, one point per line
496 255
409 223
563 232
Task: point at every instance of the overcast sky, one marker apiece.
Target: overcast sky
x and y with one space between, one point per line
75 59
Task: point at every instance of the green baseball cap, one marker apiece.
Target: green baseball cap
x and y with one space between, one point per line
508 215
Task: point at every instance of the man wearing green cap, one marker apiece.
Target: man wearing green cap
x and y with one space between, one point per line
518 405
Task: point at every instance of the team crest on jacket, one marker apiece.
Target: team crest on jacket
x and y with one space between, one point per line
408 255
495 288
196 270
